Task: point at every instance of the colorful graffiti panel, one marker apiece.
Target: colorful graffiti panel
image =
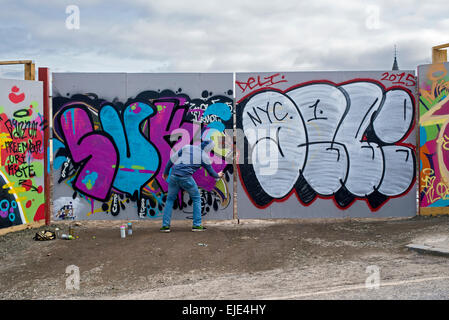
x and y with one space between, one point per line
21 152
341 142
110 152
434 135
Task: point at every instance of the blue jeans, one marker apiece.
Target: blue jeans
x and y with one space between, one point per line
189 185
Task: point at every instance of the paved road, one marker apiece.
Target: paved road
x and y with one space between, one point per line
435 288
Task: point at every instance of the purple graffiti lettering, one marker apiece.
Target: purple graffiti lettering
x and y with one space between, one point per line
169 119
92 147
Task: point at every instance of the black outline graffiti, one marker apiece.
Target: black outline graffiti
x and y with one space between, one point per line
302 189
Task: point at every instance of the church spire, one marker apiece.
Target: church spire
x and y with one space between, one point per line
395 63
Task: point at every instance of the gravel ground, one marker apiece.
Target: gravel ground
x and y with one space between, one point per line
261 259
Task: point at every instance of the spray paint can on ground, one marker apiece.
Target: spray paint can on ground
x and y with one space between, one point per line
122 232
130 228
71 231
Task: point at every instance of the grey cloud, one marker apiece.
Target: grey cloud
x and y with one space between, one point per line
149 35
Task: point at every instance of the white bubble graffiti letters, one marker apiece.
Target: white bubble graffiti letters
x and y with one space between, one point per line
269 118
323 139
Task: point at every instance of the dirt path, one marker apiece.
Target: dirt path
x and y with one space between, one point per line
292 259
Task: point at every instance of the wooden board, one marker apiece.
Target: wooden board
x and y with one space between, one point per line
22 227
433 211
438 55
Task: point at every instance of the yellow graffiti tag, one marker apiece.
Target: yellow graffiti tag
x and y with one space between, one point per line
429 118
4 137
444 141
432 193
428 180
442 190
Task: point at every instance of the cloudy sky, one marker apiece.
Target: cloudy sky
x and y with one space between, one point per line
219 36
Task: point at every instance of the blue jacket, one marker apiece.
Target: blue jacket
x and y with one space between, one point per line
190 158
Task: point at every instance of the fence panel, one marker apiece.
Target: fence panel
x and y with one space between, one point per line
434 136
326 144
114 133
22 169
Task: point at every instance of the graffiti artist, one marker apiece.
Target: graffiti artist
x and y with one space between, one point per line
178 173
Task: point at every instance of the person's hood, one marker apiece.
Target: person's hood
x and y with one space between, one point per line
207 145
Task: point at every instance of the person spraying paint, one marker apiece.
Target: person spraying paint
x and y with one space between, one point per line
181 166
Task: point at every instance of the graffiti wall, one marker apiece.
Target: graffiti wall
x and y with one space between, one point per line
114 133
342 143
434 136
21 152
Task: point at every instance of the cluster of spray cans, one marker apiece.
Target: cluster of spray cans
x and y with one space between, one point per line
128 229
123 229
69 236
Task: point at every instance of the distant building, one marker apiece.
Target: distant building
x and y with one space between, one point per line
395 63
